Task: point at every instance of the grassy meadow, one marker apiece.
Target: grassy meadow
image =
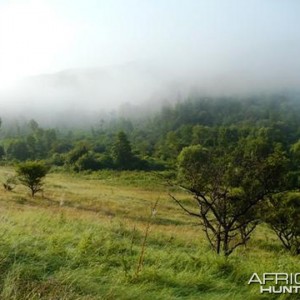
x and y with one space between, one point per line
95 236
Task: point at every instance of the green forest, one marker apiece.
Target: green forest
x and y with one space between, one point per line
156 141
223 175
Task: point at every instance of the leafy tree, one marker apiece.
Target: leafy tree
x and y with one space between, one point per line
33 125
40 141
61 147
121 152
77 152
18 150
227 188
57 159
105 160
203 135
282 213
31 174
88 161
295 151
2 152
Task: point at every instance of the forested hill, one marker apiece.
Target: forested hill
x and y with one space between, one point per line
158 138
230 111
199 120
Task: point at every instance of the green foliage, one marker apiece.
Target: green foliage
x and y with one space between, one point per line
2 152
210 122
76 153
61 147
31 174
282 213
105 161
121 152
18 150
40 141
193 165
88 161
57 159
228 184
10 183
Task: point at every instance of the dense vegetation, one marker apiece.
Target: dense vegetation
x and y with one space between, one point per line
159 138
239 159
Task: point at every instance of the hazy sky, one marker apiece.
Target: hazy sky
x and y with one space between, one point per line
232 41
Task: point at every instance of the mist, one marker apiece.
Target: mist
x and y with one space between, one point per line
85 95
142 56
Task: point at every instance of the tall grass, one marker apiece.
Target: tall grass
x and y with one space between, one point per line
89 247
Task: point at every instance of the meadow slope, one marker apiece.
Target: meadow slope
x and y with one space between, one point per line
82 239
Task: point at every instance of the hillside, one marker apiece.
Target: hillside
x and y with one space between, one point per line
83 240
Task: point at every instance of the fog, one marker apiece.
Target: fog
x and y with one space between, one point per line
111 58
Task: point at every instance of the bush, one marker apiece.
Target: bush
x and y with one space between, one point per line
57 160
31 174
88 162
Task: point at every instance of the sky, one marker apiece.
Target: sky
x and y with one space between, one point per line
216 44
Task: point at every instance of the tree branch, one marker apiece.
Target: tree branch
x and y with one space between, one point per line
185 209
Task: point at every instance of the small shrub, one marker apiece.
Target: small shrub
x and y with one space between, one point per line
10 183
31 174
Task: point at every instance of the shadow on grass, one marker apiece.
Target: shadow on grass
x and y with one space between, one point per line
25 200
